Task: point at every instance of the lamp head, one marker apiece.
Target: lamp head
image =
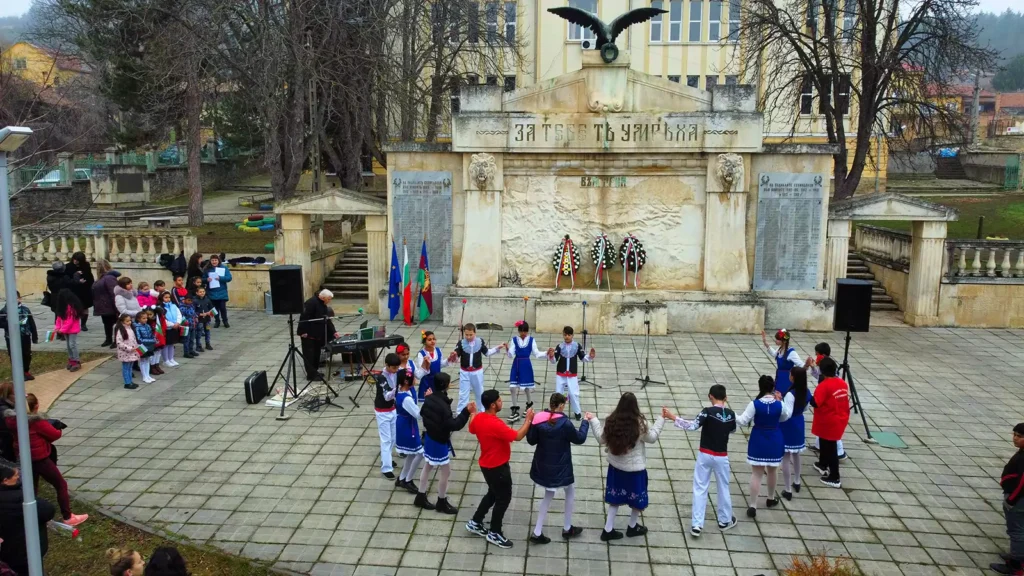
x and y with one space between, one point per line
12 137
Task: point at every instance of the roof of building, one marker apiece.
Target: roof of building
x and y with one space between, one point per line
1011 100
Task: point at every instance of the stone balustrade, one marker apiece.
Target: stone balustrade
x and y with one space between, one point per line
983 259
115 245
890 246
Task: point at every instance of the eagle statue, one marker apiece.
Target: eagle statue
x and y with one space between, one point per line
606 34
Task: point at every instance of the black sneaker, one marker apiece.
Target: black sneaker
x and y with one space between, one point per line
542 539
843 456
499 540
107 343
514 415
695 531
399 483
422 502
226 325
831 483
821 469
572 532
474 527
389 475
579 416
727 525
131 386
208 347
638 530
216 324
613 535
796 488
751 512
772 502
787 495
411 487
529 405
445 507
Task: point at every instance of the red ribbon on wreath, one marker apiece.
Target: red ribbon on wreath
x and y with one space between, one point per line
633 257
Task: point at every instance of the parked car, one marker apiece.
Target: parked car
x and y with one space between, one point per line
52 178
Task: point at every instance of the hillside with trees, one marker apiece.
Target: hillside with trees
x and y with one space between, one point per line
1002 32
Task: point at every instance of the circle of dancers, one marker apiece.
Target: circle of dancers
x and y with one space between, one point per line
418 422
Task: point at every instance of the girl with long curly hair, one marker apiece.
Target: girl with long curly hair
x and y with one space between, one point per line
625 435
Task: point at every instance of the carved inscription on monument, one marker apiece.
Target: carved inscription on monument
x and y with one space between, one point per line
422 205
788 241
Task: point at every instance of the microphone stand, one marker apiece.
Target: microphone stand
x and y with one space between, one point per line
583 376
645 372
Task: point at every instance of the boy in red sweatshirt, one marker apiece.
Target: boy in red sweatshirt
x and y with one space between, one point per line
831 415
1012 483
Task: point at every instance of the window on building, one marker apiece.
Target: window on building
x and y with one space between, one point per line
20 64
492 80
849 18
657 21
675 21
472 79
812 16
510 83
577 32
696 13
673 78
473 18
732 80
693 81
510 22
735 10
714 20
842 102
710 81
806 96
491 13
455 102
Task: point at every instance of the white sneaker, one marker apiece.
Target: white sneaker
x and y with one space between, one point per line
167 365
149 380
175 364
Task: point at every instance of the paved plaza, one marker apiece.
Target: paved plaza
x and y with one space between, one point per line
186 456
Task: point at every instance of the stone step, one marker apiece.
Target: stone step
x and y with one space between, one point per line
346 266
340 272
347 281
883 297
877 290
853 268
884 306
350 295
861 276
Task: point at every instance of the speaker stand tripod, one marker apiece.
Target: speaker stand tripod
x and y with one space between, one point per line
645 370
848 378
289 372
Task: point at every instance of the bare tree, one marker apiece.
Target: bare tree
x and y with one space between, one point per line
864 67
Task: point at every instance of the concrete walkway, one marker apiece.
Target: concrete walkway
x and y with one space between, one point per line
187 456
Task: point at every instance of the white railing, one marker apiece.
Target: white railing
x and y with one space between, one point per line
967 259
127 245
890 246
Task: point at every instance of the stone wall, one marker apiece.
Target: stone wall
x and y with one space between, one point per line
987 166
33 203
981 305
170 181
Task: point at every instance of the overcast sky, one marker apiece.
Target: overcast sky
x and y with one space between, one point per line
18 7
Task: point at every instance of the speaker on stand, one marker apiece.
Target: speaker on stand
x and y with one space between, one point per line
286 298
852 314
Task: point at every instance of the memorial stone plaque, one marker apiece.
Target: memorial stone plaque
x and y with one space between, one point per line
422 207
788 242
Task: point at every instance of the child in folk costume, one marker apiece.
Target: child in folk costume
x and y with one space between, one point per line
821 351
625 434
521 349
716 423
405 363
438 425
553 434
766 446
407 432
799 397
430 363
384 408
785 358
565 357
470 352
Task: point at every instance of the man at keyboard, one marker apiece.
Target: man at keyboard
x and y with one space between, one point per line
315 329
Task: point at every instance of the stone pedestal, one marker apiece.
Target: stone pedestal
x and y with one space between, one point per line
295 237
377 260
725 238
837 248
67 168
481 261
929 240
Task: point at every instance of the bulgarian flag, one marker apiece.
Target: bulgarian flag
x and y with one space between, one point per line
406 286
426 302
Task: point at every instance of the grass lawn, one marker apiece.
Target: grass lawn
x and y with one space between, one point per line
1004 216
44 362
85 556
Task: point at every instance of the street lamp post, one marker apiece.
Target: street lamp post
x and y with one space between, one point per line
11 138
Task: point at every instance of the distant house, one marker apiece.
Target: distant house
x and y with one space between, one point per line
42 66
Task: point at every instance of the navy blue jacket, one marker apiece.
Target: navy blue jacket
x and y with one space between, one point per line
553 434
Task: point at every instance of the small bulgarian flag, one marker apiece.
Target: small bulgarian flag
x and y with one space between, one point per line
406 286
141 349
51 335
426 301
184 330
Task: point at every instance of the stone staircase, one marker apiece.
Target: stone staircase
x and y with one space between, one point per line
350 278
856 268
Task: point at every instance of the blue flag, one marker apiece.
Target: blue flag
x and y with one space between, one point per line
394 284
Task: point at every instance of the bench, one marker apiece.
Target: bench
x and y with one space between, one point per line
158 221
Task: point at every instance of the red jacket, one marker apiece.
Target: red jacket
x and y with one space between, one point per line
832 409
41 434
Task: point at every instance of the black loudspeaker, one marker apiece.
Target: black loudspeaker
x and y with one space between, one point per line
286 289
853 306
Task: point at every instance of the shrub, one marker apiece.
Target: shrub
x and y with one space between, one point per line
820 565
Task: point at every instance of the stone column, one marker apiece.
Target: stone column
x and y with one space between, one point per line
725 238
150 159
837 247
295 237
111 155
929 244
376 259
481 237
67 168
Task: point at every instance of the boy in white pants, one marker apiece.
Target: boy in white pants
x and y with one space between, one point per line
566 356
716 423
470 352
384 409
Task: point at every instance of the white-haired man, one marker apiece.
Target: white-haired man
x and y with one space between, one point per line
315 327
